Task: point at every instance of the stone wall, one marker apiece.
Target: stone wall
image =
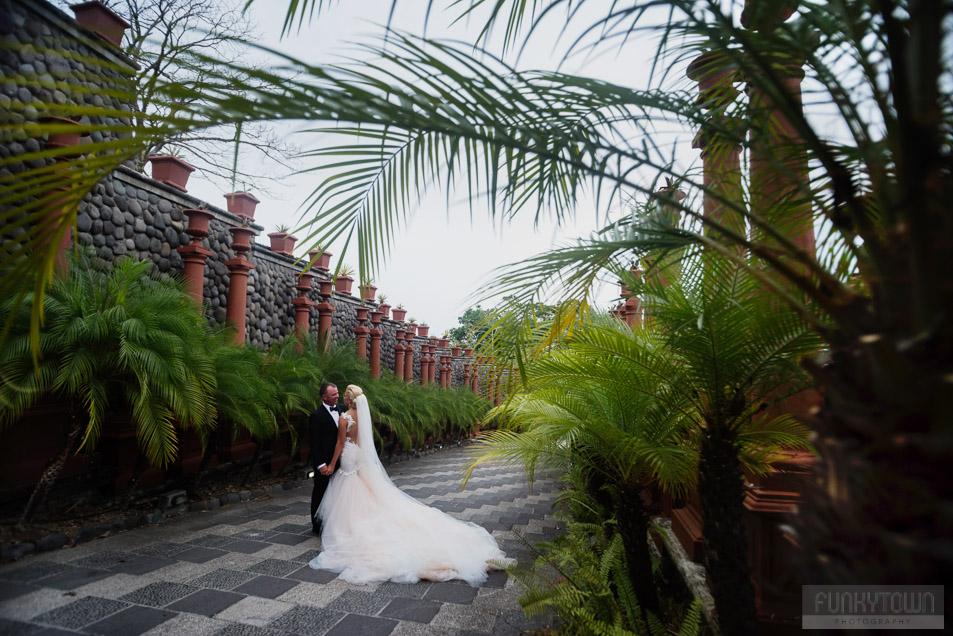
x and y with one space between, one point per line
49 63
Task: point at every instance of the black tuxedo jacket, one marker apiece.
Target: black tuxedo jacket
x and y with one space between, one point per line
324 435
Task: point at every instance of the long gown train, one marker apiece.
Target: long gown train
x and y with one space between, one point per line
373 531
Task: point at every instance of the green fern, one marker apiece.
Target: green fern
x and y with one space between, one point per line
692 622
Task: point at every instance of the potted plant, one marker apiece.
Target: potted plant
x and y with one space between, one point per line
320 257
344 280
412 325
101 20
199 219
383 307
281 241
368 291
64 134
399 313
171 170
455 350
241 204
423 329
444 340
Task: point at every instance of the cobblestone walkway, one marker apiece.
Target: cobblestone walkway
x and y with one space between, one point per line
243 570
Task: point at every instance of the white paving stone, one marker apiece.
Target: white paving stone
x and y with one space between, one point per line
253 610
313 594
115 586
35 603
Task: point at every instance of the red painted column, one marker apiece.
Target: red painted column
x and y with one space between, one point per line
376 343
445 371
58 196
361 333
475 379
399 355
303 305
720 150
425 360
409 356
238 268
325 309
779 171
195 254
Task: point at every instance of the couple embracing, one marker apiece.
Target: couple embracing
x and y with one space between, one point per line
371 530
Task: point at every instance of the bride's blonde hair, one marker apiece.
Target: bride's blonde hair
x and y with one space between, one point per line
352 391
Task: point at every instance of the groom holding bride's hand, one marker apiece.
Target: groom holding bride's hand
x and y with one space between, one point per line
323 429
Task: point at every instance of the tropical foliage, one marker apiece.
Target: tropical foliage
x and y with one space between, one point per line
114 338
582 576
117 337
672 406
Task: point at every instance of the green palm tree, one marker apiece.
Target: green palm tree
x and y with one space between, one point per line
651 406
243 398
114 337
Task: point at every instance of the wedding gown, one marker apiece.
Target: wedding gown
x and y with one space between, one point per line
373 531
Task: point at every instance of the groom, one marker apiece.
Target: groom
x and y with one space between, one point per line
323 429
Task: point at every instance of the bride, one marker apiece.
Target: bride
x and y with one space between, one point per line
372 531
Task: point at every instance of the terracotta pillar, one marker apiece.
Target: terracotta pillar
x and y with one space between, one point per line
360 333
475 378
466 375
58 196
409 355
303 305
431 373
425 364
238 268
194 254
633 315
719 140
780 187
399 355
325 309
445 371
376 343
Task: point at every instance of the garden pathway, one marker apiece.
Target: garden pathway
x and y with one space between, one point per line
243 570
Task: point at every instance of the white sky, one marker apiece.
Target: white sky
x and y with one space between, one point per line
441 260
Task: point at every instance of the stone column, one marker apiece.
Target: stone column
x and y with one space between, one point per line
399 355
194 254
360 333
238 267
303 305
409 356
325 309
376 343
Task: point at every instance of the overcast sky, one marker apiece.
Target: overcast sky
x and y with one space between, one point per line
441 260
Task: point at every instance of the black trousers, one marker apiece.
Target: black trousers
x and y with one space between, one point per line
317 494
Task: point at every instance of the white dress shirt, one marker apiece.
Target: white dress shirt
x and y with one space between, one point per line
334 416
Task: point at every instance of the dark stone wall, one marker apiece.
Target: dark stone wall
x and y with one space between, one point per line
46 60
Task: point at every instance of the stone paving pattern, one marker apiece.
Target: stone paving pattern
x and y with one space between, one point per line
243 570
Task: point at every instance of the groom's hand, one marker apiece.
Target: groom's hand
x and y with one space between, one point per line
325 470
